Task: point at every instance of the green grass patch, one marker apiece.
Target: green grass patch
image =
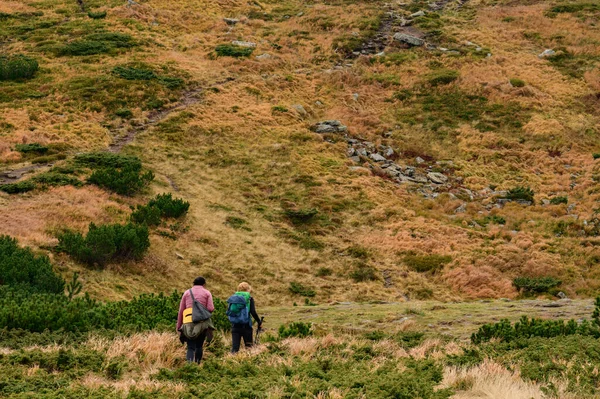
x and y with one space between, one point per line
442 77
426 263
299 289
231 50
97 43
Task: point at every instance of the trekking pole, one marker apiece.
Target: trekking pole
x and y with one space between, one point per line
258 331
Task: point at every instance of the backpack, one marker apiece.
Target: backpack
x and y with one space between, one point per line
237 311
199 312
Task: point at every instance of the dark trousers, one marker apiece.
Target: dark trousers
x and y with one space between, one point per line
195 348
239 332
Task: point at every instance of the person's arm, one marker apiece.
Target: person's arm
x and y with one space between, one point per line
181 309
253 311
209 303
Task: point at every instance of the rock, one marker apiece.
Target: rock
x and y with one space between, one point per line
377 157
362 151
355 159
545 202
571 207
409 39
355 96
380 54
387 135
243 44
331 126
461 209
264 56
359 169
300 109
418 178
419 160
318 103
547 53
388 152
179 256
561 295
554 304
231 21
417 14
437 178
409 171
351 152
300 14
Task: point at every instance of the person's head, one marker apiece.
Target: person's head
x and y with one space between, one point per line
244 287
199 280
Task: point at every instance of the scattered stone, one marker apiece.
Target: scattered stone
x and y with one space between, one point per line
409 39
231 21
331 126
561 295
355 96
380 54
355 159
547 53
554 304
418 14
461 209
179 256
419 160
377 157
571 207
264 56
437 178
388 152
387 135
300 14
351 151
300 109
318 103
545 202
243 44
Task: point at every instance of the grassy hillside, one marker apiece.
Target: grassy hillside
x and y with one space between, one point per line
227 128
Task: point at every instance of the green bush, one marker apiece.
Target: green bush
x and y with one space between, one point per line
596 155
442 77
127 181
535 285
124 113
97 43
231 50
425 263
520 194
299 289
33 147
17 67
56 179
106 243
131 73
363 272
559 200
324 272
527 328
517 82
163 205
21 267
97 15
295 329
97 160
16 188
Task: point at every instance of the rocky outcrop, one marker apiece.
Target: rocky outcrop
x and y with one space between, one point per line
409 39
331 126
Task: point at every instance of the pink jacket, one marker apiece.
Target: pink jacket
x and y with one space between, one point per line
201 294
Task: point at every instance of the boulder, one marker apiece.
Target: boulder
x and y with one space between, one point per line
243 44
419 160
264 56
231 21
417 14
437 178
300 109
547 53
561 295
409 39
377 157
331 126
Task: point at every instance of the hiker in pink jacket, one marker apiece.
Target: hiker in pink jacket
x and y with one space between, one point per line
202 295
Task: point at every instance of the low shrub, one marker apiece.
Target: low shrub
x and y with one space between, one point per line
55 179
17 67
127 181
231 50
124 113
596 155
236 223
517 82
163 205
357 251
324 272
442 77
299 289
97 14
559 200
21 267
363 272
132 73
520 193
106 243
535 285
32 148
96 160
97 43
426 263
295 329
527 328
279 109
16 188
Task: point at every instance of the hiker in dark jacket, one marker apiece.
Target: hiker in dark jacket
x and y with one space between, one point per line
244 331
202 295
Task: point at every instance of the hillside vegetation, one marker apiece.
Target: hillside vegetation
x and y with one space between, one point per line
472 156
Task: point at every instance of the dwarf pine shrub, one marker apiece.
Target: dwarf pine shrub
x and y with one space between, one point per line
295 329
36 148
426 263
299 289
21 267
231 50
106 243
127 181
17 67
163 205
442 77
535 285
520 193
